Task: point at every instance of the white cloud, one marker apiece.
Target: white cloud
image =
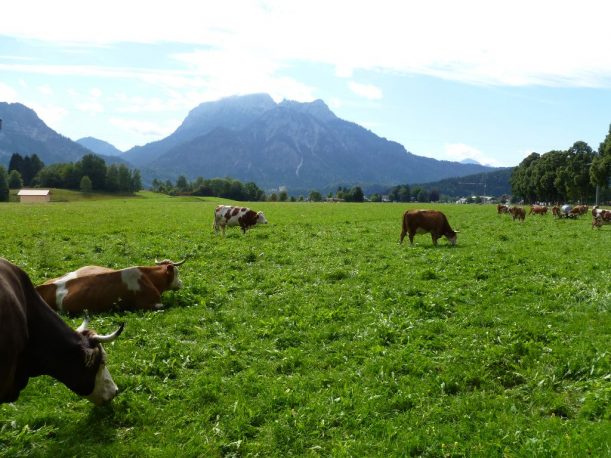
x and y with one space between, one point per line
506 42
460 151
367 91
7 93
51 115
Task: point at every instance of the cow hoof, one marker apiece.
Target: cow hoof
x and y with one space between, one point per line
158 306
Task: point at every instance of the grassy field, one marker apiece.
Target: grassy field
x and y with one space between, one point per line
319 335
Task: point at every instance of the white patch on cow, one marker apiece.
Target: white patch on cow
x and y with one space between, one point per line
105 388
131 278
61 290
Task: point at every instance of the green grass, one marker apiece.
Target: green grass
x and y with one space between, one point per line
320 335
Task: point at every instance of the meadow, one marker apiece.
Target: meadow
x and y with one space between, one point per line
319 335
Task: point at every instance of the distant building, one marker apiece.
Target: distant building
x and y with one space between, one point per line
34 195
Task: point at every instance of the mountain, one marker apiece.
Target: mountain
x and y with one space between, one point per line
302 146
495 183
99 146
25 133
233 113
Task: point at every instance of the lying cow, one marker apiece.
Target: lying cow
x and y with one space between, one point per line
517 213
226 215
101 289
35 341
423 221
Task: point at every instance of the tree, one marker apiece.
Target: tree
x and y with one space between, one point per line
182 184
14 180
95 168
375 197
315 196
136 181
600 171
112 178
125 179
4 191
86 184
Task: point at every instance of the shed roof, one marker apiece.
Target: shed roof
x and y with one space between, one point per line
33 192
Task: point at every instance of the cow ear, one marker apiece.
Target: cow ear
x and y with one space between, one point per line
169 268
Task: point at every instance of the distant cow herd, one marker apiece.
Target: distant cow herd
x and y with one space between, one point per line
600 216
35 341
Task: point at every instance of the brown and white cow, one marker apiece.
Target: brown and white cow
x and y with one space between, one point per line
500 208
227 215
100 289
423 221
35 341
600 216
517 213
538 210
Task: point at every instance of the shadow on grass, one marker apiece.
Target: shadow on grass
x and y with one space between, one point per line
95 430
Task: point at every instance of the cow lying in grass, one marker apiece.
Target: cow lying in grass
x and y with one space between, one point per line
100 289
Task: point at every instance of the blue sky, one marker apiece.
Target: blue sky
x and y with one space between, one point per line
492 81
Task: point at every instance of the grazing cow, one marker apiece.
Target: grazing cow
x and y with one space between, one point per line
500 208
517 213
100 289
226 215
35 341
538 210
600 217
556 211
423 221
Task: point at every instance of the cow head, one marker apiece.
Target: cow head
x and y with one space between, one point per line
261 218
451 236
171 271
97 385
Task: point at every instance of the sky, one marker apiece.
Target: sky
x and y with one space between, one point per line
486 80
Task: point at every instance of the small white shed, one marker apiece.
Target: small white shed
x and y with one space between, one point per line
34 195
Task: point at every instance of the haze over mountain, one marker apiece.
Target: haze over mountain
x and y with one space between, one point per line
302 146
99 146
25 133
299 145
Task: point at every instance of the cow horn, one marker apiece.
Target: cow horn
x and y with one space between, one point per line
179 263
85 323
109 337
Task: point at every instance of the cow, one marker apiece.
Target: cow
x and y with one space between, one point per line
101 289
517 213
500 208
227 215
538 210
556 211
35 341
423 221
600 217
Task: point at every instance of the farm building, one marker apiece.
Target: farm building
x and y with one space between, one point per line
34 195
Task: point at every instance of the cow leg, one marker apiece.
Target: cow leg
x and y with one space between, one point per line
402 236
434 237
411 238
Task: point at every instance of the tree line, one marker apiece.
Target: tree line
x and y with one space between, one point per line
564 176
89 174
